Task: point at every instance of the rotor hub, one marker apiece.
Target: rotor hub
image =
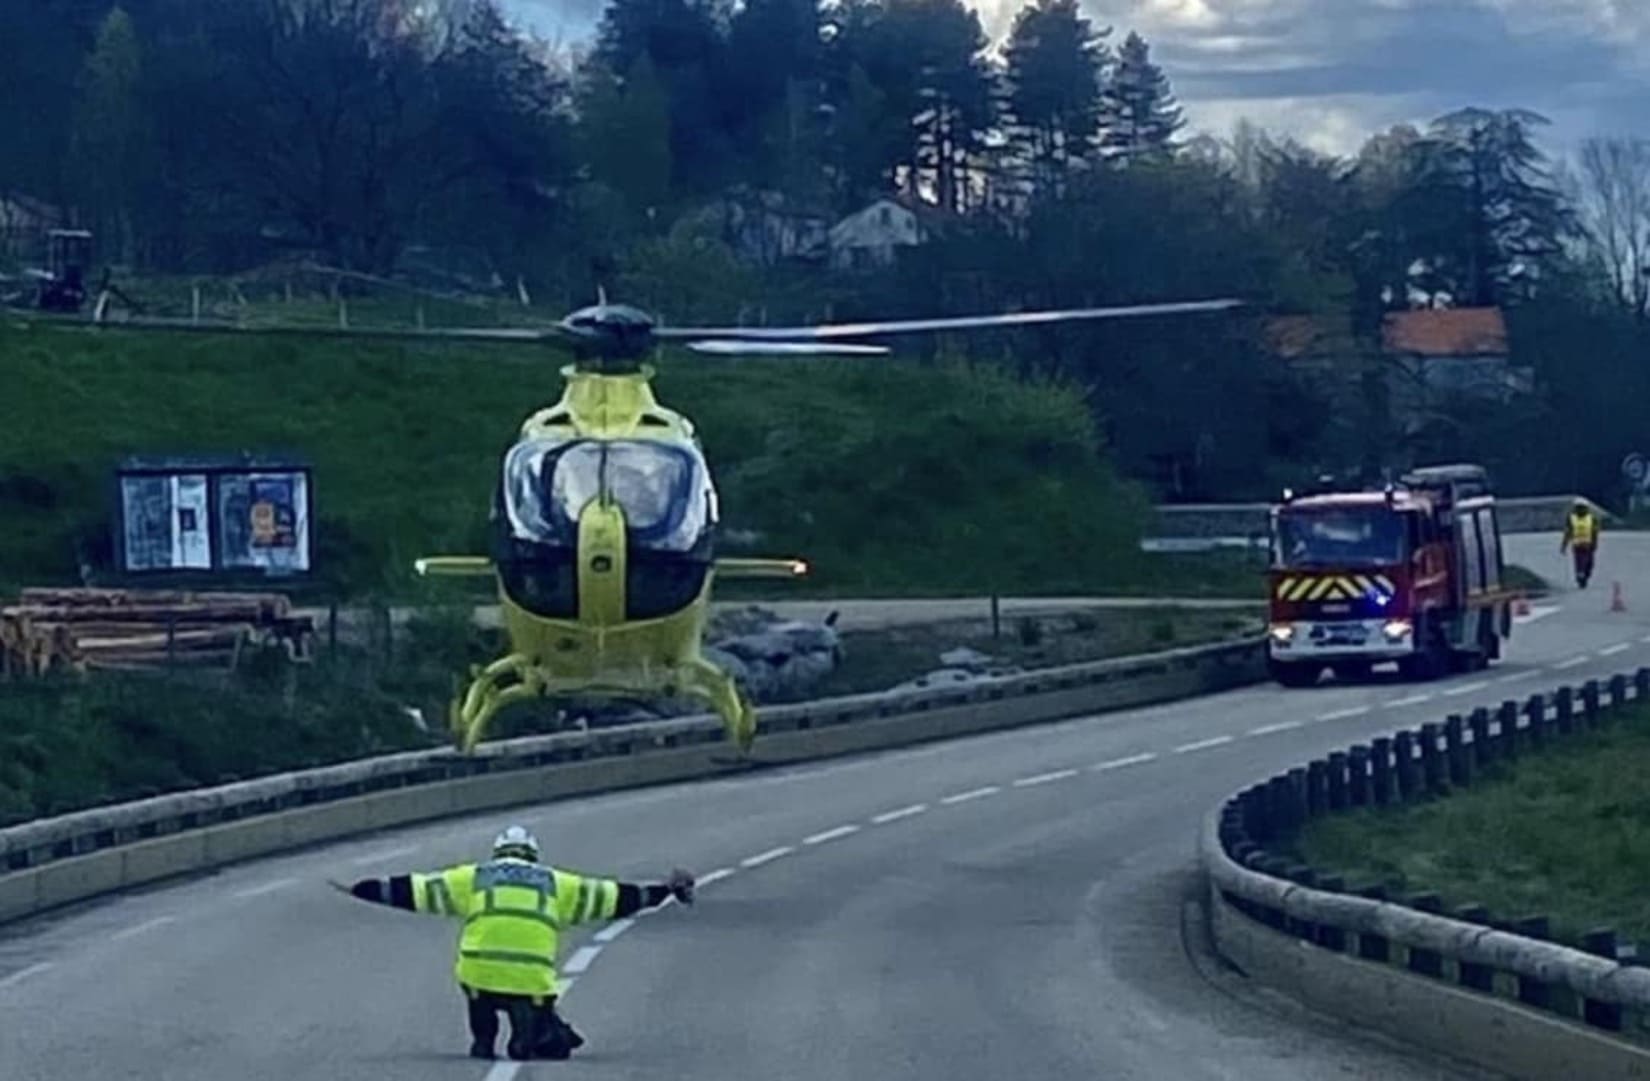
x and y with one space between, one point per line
609 332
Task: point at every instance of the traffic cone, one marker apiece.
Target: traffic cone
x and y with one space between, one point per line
1617 602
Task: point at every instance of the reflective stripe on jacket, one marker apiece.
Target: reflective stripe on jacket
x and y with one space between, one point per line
513 913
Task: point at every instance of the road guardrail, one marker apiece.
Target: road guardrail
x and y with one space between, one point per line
1466 984
52 862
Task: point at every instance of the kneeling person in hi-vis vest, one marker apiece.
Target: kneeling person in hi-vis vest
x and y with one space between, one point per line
514 909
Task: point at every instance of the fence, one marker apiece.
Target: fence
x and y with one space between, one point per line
1595 987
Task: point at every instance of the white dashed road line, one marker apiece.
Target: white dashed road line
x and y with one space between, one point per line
1342 714
140 928
1202 744
1573 662
504 1071
581 959
1517 677
1467 688
972 794
766 857
1045 778
1412 700
267 887
24 973
894 816
1645 639
716 876
1119 763
1611 651
613 930
1268 729
831 835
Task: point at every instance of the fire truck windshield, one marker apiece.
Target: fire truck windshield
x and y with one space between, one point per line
1342 536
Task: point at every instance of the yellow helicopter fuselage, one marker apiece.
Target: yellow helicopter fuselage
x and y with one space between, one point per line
600 640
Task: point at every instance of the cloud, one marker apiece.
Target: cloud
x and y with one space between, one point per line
1331 72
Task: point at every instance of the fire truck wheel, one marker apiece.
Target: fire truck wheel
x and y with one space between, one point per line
1295 674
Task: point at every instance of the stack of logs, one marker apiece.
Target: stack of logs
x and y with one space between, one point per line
79 629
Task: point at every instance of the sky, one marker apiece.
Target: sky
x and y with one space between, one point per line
1332 72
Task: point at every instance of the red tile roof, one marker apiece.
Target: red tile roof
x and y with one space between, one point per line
1446 332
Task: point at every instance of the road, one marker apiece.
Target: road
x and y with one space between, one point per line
1012 905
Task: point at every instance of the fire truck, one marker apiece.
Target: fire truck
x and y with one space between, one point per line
1409 572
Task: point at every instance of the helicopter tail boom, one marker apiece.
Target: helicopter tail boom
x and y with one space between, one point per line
454 567
761 568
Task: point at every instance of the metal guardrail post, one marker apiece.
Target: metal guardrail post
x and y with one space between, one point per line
1403 753
1508 718
1432 761
1421 961
1460 763
1535 711
1483 751
1590 703
1317 787
1606 1015
1338 797
1357 767
1373 946
1533 992
1476 977
1566 705
1380 769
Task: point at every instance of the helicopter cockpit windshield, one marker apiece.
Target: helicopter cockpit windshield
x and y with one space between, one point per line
663 489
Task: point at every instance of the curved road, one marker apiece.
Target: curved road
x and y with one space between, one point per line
1012 905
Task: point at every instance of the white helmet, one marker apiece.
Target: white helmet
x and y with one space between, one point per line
516 843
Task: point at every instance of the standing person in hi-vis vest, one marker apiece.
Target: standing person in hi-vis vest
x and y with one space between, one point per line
1581 538
514 909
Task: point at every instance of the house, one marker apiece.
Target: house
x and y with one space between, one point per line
763 230
1456 351
1430 356
871 237
24 223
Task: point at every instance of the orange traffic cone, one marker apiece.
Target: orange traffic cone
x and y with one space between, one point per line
1617 602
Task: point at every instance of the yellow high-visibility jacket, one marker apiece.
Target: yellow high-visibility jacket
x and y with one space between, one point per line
513 914
1581 530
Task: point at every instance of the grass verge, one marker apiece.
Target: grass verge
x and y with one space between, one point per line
1565 833
68 744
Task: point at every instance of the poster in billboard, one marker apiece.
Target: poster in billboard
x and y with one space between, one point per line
165 523
263 521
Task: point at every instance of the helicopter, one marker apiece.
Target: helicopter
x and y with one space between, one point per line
604 515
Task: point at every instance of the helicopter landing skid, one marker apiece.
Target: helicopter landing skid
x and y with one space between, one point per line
514 678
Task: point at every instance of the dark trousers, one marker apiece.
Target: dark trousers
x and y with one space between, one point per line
1584 561
536 1029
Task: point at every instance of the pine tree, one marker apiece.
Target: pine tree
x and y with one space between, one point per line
1140 116
1053 65
111 132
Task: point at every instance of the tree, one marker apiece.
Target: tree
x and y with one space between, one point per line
110 140
1483 212
1140 116
1615 207
774 88
1054 62
926 61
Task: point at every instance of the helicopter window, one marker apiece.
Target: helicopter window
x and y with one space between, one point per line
664 490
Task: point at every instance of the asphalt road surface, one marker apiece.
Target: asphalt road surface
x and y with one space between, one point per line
1015 905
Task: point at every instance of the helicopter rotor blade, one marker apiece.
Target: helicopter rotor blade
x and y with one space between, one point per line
99 319
833 331
733 348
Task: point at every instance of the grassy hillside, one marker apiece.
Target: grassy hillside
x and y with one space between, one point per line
888 476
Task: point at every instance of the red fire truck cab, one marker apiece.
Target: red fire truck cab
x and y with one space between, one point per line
1411 572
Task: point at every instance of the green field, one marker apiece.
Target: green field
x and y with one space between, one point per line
889 476
67 744
1565 833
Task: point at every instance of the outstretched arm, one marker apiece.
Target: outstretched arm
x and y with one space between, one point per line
633 898
432 894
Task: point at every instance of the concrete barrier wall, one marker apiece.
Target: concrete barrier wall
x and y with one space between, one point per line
1493 1033
1415 974
77 857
